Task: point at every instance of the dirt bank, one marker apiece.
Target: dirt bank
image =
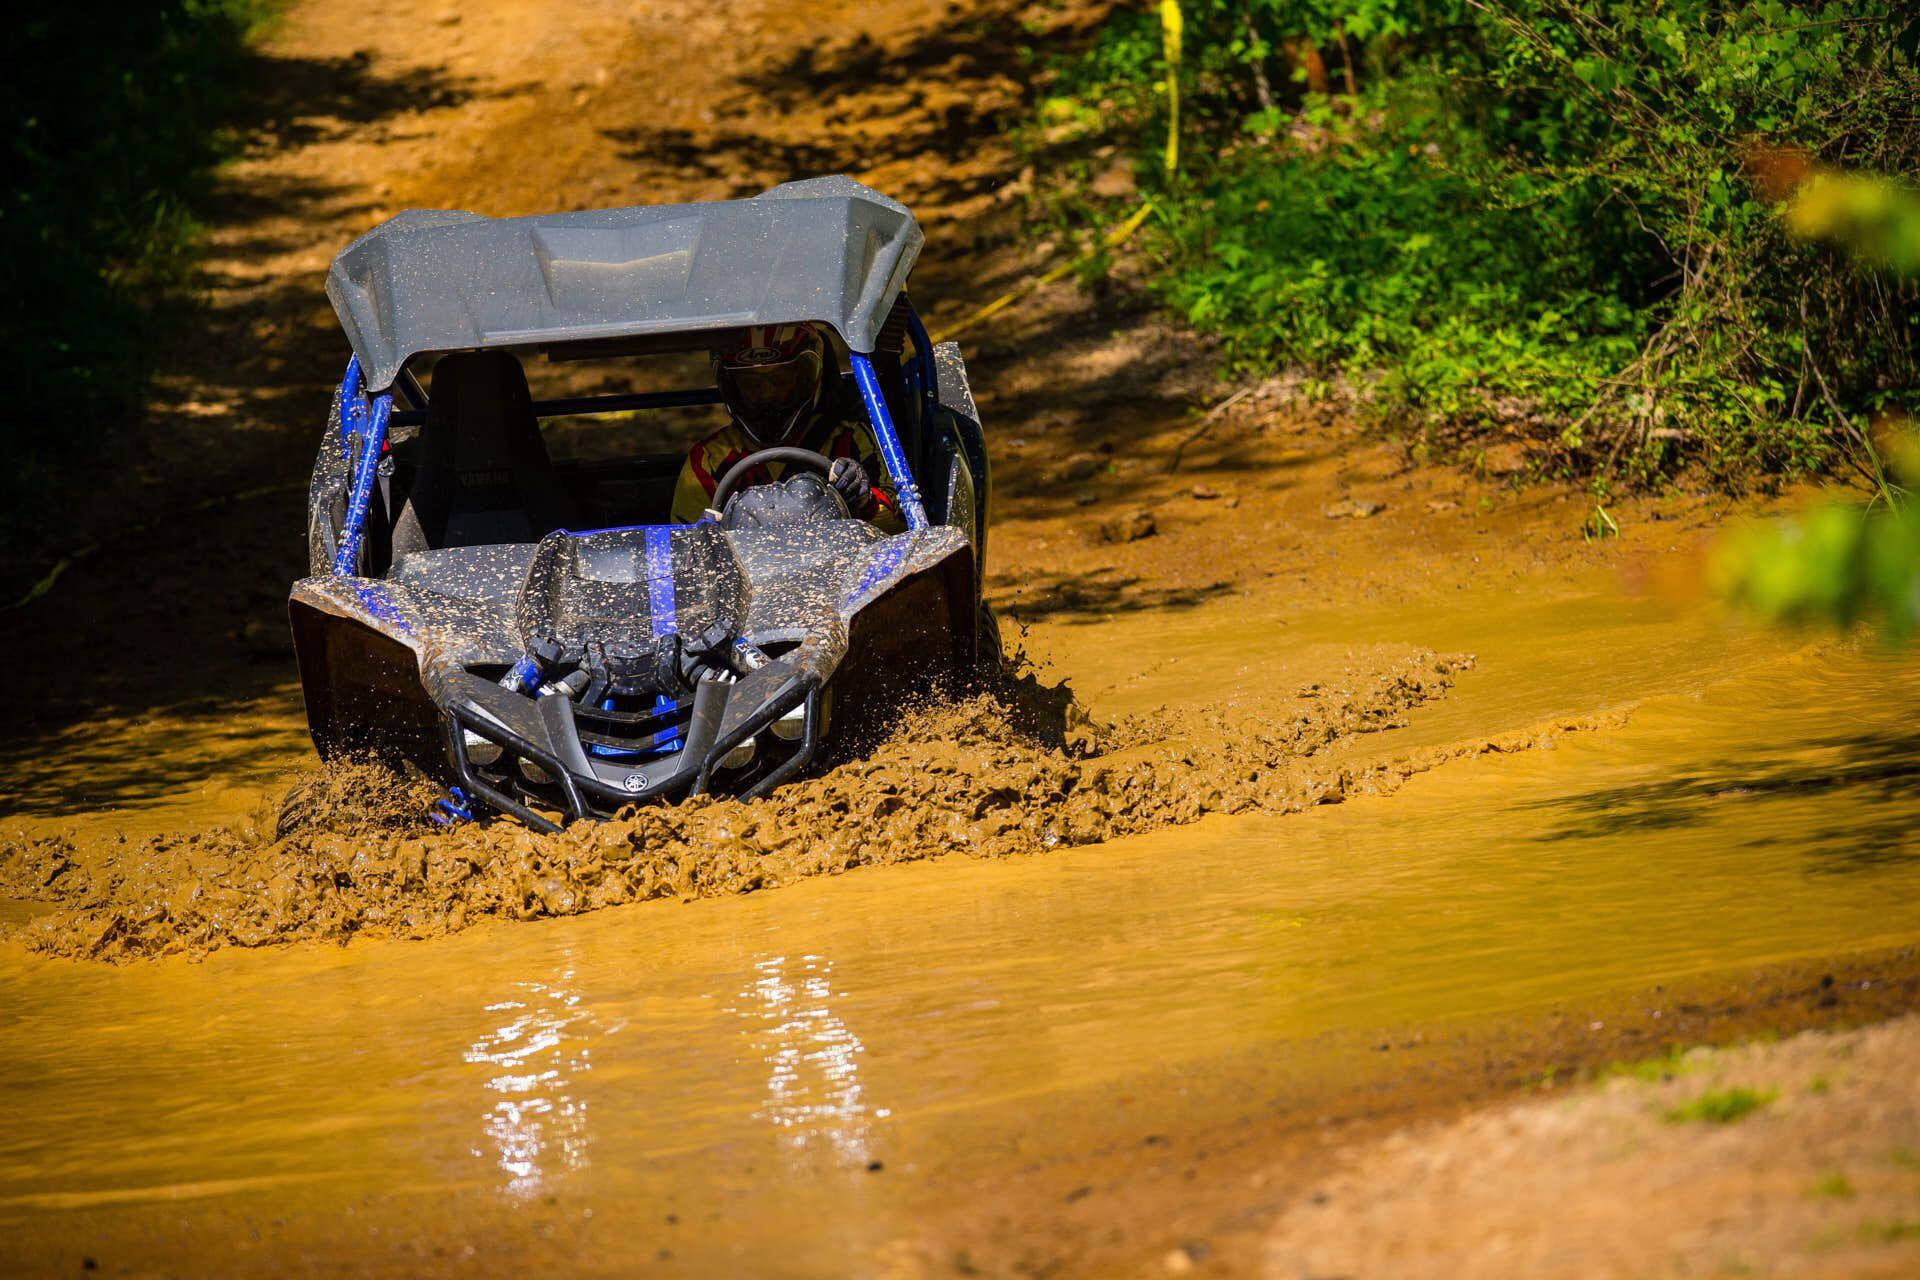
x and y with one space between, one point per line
1465 1148
1793 1159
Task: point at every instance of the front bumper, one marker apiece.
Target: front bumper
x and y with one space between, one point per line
557 757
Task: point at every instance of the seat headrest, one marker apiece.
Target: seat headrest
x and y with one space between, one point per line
483 411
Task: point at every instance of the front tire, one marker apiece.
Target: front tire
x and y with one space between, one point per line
988 654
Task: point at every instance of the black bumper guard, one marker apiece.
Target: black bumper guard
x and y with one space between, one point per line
555 734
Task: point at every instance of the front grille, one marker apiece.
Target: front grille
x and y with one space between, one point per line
640 732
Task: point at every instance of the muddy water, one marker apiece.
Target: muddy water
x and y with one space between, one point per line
1304 709
787 1080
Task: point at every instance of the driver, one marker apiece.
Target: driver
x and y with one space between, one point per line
774 383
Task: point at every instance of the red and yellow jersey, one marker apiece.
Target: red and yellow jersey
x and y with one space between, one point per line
709 460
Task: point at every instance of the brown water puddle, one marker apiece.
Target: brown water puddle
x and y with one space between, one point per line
798 1082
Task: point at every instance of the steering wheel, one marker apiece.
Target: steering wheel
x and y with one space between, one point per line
738 471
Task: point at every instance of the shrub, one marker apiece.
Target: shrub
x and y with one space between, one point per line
115 113
1544 218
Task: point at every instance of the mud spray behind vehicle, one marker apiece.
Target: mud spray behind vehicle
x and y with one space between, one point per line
533 634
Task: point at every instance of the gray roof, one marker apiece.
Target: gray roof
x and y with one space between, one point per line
430 280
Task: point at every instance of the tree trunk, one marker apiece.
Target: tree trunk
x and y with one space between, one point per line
1262 90
1306 55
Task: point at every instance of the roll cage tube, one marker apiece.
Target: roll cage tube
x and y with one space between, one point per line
892 456
921 374
373 416
350 402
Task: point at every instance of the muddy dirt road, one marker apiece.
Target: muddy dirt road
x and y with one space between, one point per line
1391 795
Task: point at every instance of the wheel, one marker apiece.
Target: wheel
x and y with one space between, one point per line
986 645
300 807
724 489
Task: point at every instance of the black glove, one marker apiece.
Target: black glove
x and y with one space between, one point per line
849 479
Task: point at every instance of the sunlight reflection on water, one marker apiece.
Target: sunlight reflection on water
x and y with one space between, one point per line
537 1125
814 1093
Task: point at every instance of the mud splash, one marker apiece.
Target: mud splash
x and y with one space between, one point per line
983 776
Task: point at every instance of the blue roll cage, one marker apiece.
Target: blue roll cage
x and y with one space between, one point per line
369 418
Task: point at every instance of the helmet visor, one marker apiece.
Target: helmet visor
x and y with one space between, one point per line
768 397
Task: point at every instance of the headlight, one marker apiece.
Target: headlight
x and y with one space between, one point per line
533 773
790 726
480 751
740 757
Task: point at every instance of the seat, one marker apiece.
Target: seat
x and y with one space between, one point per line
485 477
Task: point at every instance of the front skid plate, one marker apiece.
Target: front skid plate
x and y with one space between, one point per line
542 732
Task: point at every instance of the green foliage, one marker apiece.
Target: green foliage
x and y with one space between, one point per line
1832 1186
1548 219
1844 564
1872 1231
1877 218
114 113
1839 566
1675 1062
1880 1231
1721 1106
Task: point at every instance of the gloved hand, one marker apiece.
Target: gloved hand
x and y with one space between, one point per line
849 479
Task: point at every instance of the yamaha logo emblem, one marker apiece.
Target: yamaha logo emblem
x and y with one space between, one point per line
634 782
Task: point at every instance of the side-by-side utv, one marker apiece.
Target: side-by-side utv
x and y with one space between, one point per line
513 625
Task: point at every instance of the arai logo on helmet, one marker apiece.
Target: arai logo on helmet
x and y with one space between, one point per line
758 355
634 782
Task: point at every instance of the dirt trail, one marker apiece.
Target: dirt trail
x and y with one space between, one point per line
1800 1158
158 680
